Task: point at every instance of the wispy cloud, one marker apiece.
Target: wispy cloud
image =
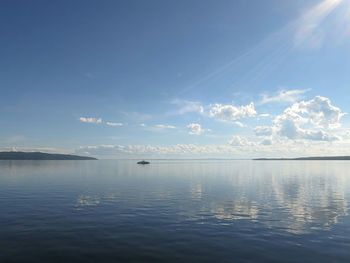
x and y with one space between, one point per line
114 124
164 126
263 59
264 115
284 96
240 124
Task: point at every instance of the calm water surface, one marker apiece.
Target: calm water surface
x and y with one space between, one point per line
174 211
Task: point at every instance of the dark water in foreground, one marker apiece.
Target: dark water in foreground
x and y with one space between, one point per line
178 211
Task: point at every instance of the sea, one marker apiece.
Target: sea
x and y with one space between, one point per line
174 211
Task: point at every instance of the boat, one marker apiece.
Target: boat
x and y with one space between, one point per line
143 162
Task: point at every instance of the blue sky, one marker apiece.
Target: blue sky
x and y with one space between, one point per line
175 79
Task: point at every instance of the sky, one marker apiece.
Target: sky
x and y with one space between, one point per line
176 79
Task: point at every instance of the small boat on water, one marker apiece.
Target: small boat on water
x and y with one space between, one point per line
143 162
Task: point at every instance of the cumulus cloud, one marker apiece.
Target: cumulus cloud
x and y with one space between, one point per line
320 136
284 96
90 120
305 127
320 111
310 120
195 129
230 112
240 141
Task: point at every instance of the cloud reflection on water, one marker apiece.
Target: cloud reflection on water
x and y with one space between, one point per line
294 202
295 197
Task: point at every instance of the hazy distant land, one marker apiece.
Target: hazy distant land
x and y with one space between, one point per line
14 155
322 158
40 156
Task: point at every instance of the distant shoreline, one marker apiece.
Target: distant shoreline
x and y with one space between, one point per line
32 156
323 158
14 155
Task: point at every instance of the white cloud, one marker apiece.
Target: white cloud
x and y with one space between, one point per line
114 124
240 124
284 96
164 126
99 121
309 120
238 147
320 111
231 112
195 129
290 129
308 127
320 136
107 151
240 141
90 120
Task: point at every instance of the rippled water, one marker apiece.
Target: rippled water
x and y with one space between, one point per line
174 211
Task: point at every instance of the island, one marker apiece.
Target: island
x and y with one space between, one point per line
322 158
40 156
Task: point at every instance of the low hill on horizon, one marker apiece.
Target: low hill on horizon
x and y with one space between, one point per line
12 155
320 158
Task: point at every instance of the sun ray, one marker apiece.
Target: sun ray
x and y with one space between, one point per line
311 20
